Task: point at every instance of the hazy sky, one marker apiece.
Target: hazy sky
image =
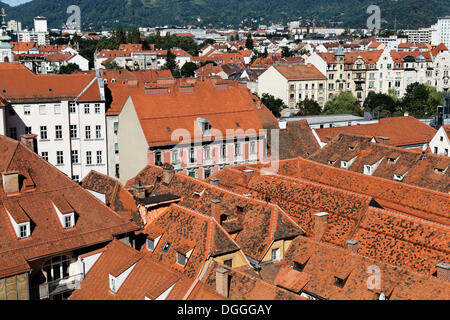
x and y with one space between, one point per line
14 2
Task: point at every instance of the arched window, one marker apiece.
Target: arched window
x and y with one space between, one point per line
57 268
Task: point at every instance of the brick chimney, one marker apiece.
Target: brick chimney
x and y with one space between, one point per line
215 209
30 141
222 282
352 246
10 182
168 173
214 181
443 271
139 191
320 225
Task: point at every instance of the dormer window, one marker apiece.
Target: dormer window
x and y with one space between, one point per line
339 282
392 160
181 259
68 221
24 230
399 177
344 164
152 243
204 126
368 169
112 284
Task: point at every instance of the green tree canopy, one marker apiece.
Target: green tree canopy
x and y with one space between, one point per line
344 102
112 65
308 107
379 102
69 68
275 105
188 69
249 42
421 100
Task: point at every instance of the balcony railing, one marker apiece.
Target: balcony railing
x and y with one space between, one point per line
55 287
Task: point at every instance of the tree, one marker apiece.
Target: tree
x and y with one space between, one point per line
420 100
286 52
134 36
249 42
171 63
382 103
344 102
308 107
275 105
69 68
265 53
188 69
112 65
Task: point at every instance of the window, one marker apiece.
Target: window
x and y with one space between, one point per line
150 244
117 171
42 110
86 109
57 109
98 132
367 169
23 230
58 132
68 221
116 148
157 157
228 263
73 131
223 151
97 108
72 107
87 132
116 127
44 155
181 259
99 157
26 110
88 157
436 150
441 138
276 254
166 247
43 130
252 147
74 156
59 157
207 173
445 152
175 156
206 153
27 130
76 178
13 133
237 149
191 155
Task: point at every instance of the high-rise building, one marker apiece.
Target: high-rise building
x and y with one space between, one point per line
441 32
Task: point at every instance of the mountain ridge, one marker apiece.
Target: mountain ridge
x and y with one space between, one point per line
218 13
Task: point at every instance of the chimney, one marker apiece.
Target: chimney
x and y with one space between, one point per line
187 89
215 209
443 271
168 173
247 174
10 182
320 225
214 181
30 141
352 246
139 191
156 90
222 282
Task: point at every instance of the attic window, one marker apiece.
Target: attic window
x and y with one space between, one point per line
24 230
181 259
440 170
197 194
4 91
331 162
392 160
339 282
399 177
238 125
152 243
368 169
344 164
166 247
300 266
50 89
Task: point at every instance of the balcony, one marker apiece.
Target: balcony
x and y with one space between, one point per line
62 285
359 78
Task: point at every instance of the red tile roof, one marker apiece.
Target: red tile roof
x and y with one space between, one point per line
400 131
95 223
79 86
148 278
230 108
297 72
